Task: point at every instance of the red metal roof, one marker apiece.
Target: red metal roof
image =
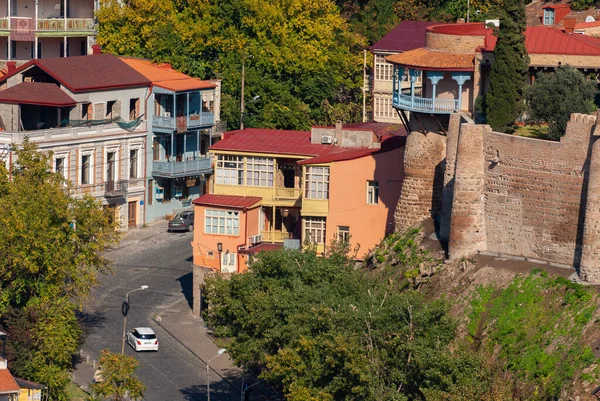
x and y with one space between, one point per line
38 93
546 40
557 6
463 29
87 73
262 140
262 247
7 382
231 201
388 143
407 35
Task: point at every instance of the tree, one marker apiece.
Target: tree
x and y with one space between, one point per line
504 99
555 95
51 245
118 378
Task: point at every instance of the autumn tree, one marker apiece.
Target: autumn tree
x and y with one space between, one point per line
505 98
555 95
51 245
117 377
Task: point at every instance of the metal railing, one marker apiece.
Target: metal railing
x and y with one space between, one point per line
427 105
201 120
174 169
115 188
274 236
164 122
288 193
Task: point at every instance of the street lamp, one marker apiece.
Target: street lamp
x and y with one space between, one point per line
125 309
219 249
219 353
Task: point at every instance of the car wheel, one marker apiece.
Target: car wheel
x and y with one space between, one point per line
191 228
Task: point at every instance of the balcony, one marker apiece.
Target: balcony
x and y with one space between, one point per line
417 103
181 169
183 124
274 236
114 189
73 25
287 193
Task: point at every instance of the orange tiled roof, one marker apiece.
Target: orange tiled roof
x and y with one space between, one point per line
426 59
164 76
7 382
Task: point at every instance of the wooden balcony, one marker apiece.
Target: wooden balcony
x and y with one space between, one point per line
417 103
274 236
288 193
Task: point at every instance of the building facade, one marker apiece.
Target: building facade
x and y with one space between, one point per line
183 122
88 112
34 29
274 187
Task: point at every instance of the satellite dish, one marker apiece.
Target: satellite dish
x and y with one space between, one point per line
589 18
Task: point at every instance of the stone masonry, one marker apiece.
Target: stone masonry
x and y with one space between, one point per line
507 194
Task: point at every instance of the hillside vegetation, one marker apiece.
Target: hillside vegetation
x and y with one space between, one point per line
404 326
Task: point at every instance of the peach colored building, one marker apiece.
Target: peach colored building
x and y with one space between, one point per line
273 188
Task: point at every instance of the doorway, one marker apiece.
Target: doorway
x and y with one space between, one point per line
131 214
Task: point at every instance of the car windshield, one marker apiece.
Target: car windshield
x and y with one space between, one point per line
147 336
178 216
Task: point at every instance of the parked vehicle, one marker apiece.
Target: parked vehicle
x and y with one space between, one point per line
182 222
142 339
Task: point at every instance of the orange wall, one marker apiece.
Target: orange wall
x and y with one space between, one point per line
348 198
203 243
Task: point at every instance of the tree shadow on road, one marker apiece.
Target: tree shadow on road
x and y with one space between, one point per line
186 282
219 391
91 320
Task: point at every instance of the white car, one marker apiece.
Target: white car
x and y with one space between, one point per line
142 339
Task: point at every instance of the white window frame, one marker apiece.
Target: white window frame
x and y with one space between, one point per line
107 150
222 222
384 71
65 157
260 171
138 149
89 153
384 108
549 16
372 192
229 261
314 229
317 182
343 233
229 170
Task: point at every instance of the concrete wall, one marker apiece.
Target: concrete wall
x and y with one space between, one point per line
348 138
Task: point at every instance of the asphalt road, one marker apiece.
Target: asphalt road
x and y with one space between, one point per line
163 263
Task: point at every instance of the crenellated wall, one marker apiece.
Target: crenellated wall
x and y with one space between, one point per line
508 194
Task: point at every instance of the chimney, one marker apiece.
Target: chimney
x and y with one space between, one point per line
11 66
569 24
96 49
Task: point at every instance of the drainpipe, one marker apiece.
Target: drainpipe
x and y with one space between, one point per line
245 210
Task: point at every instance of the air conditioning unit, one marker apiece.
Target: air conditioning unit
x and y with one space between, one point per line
326 139
256 239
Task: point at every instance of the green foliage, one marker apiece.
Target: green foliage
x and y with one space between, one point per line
118 377
299 56
555 95
537 322
511 62
51 245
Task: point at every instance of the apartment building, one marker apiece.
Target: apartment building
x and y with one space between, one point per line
88 111
276 188
34 29
407 35
183 122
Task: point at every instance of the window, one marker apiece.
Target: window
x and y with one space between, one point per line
384 71
111 170
133 163
111 110
383 108
259 171
317 182
60 166
134 108
343 233
548 16
314 229
86 169
221 222
150 191
86 111
372 192
230 170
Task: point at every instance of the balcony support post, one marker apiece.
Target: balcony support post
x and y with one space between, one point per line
65 21
35 23
435 77
172 146
183 157
460 79
198 139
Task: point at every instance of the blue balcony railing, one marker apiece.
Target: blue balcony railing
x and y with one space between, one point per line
181 169
193 121
424 105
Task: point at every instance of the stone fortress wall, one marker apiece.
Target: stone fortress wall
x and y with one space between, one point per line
499 193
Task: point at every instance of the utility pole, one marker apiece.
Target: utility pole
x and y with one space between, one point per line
364 116
242 99
468 9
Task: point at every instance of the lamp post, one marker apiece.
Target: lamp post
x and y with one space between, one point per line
219 353
125 309
219 249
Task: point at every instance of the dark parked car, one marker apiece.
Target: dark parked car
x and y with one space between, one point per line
182 222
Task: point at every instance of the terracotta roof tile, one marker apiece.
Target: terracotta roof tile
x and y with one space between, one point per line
430 60
407 35
38 93
164 76
231 201
7 382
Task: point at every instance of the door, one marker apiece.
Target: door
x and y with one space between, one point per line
289 177
229 262
131 214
